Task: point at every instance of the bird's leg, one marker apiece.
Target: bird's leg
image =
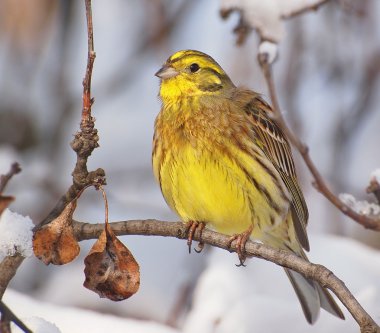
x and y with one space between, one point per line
192 226
241 240
200 245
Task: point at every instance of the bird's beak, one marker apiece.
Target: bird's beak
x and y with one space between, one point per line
166 72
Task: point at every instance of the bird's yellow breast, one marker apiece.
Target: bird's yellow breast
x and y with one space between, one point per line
201 186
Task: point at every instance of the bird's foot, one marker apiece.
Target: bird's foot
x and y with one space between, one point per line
192 227
241 240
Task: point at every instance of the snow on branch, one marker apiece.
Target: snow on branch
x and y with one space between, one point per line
375 176
268 50
362 207
265 16
16 235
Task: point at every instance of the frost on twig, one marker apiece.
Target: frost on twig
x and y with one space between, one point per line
362 207
375 176
265 16
268 50
374 184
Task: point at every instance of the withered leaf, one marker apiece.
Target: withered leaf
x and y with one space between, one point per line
5 202
110 268
55 242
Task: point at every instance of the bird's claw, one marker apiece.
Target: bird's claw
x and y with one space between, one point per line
192 227
241 240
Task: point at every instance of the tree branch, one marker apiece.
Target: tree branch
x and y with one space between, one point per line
315 272
86 140
8 268
4 179
319 183
302 10
10 316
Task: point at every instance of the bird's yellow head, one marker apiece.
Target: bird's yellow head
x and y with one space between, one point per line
192 73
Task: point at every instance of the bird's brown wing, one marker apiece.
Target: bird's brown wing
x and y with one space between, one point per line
277 149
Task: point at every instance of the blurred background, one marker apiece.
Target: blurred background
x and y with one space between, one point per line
327 78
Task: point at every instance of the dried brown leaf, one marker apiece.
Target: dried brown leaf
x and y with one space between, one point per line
55 242
5 202
111 270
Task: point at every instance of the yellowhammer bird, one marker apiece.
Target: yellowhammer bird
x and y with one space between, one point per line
221 160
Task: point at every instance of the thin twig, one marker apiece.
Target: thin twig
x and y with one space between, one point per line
4 179
87 101
319 183
303 10
86 140
315 272
5 324
8 268
9 315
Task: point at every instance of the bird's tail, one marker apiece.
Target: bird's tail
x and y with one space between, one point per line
312 297
311 294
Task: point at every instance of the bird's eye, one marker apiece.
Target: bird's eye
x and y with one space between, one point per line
194 68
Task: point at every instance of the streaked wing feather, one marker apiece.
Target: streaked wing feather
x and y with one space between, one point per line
278 151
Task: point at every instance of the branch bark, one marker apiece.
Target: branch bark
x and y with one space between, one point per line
319 182
8 268
10 316
325 277
4 179
86 140
300 11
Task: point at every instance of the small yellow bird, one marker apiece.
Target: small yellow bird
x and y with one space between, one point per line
222 160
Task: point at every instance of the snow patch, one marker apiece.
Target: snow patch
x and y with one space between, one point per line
375 175
76 320
362 207
36 325
15 234
268 49
266 16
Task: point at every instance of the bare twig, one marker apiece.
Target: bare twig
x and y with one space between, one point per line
83 144
87 101
86 140
8 268
319 183
313 7
283 258
10 316
9 265
4 179
5 324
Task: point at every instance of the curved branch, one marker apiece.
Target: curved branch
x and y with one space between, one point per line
319 183
315 272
